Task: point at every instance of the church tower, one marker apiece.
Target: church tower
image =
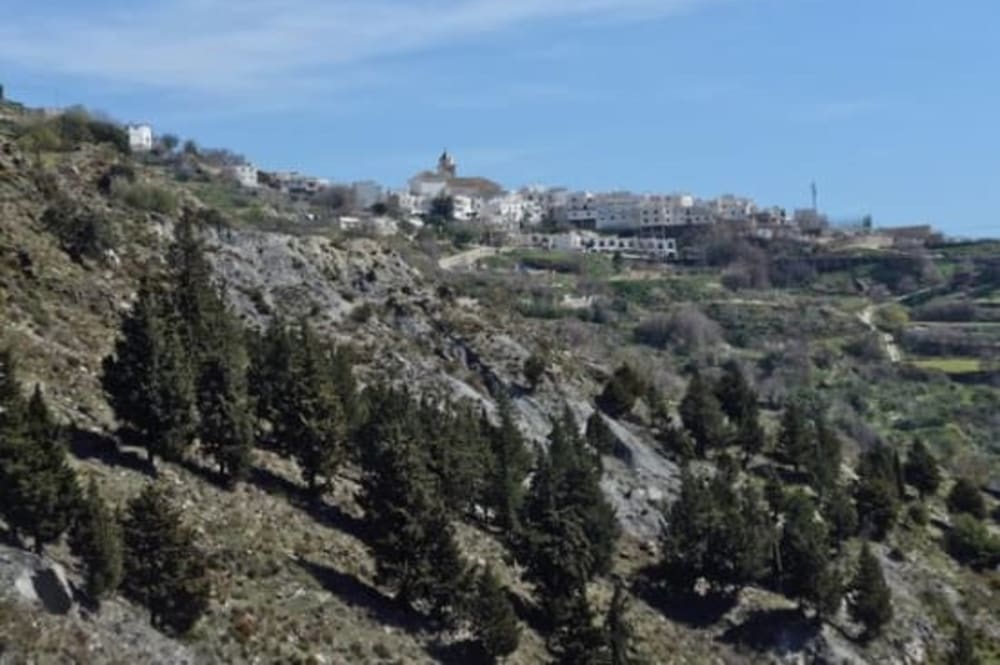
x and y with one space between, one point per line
447 166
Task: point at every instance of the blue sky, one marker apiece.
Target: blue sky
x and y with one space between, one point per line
892 106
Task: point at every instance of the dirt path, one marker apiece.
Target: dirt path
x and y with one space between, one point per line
467 258
867 317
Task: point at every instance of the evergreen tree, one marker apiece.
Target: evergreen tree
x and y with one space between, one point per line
96 539
877 492
42 489
225 425
271 372
13 441
795 435
619 630
578 640
309 416
458 453
823 462
965 497
149 378
194 299
702 416
715 532
921 469
871 601
494 622
569 529
511 462
839 512
534 370
805 554
410 533
736 398
164 570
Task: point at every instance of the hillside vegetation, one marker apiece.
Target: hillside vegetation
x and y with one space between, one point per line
225 437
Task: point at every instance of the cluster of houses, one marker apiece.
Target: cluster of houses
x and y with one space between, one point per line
620 221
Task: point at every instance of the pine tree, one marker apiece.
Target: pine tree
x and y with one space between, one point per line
619 630
43 491
510 465
271 371
13 442
965 497
194 299
569 529
164 570
877 492
736 398
578 640
715 532
871 601
410 533
96 539
805 552
149 378
458 453
702 416
921 469
839 512
795 435
310 419
823 462
225 425
494 622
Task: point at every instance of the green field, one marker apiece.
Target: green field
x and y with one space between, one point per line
950 365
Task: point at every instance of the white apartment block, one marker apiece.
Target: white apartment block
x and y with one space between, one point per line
511 211
732 208
583 241
140 137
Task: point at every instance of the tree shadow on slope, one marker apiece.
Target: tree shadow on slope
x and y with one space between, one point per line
319 510
91 445
357 594
688 608
276 485
781 631
462 652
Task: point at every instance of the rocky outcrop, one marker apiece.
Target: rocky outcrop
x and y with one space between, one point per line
43 598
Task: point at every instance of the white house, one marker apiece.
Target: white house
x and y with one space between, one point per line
140 137
245 175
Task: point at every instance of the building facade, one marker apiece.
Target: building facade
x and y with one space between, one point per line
140 137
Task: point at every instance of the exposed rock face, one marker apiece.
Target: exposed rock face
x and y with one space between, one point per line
43 596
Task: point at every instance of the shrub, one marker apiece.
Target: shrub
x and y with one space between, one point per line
687 328
971 543
81 233
621 392
966 498
145 196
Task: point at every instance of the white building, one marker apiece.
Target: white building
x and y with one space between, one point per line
244 174
511 211
733 208
665 248
140 137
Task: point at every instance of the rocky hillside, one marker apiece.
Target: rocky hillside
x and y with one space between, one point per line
294 581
